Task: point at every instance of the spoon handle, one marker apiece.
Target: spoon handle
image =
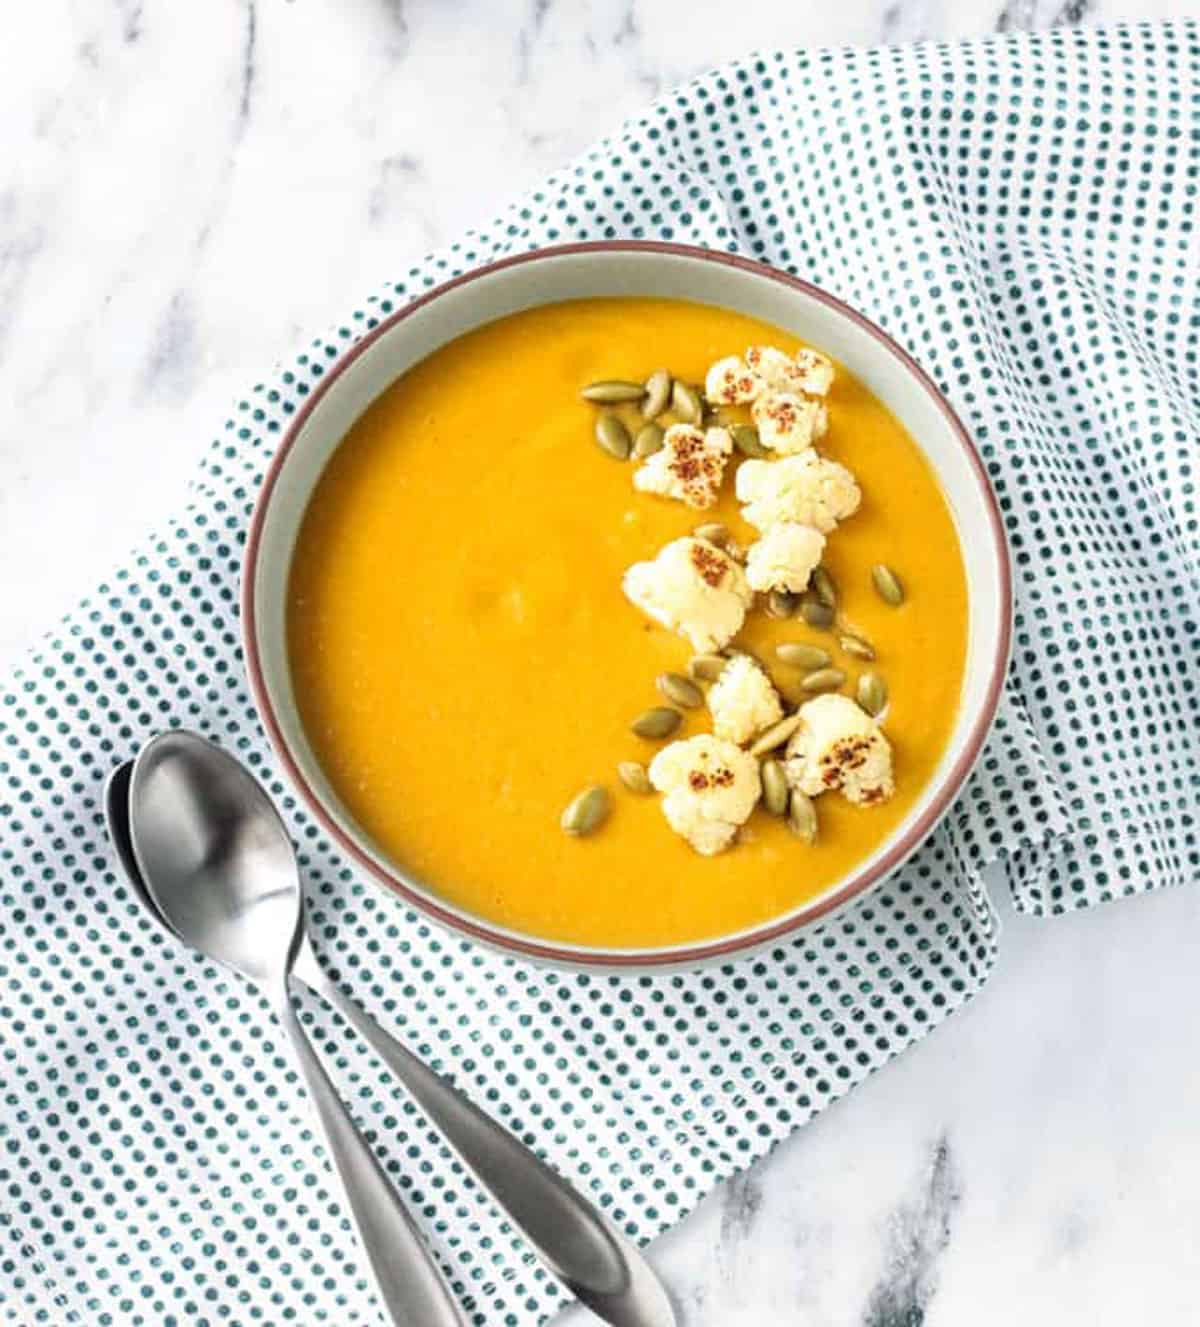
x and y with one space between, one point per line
598 1264
408 1279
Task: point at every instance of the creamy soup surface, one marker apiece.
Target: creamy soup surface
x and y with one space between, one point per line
465 661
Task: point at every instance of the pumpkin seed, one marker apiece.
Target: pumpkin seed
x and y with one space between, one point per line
656 723
800 655
680 691
858 646
657 393
824 587
814 612
633 775
802 817
611 390
714 532
775 788
776 735
745 439
586 812
782 603
872 693
707 667
824 679
887 583
686 402
648 441
613 436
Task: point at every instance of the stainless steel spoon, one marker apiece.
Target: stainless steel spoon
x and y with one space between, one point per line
219 866
598 1265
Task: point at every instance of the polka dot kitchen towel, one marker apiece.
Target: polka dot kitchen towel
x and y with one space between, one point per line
1020 213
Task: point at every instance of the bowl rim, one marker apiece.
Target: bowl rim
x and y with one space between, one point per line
692 953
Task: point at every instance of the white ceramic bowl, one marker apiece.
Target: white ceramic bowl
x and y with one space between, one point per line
623 268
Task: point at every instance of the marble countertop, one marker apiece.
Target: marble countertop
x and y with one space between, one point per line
186 192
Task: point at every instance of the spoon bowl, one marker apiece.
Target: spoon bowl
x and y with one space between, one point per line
215 857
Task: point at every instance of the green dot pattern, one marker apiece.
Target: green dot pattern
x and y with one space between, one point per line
1020 213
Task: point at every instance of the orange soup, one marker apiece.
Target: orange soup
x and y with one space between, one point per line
465 660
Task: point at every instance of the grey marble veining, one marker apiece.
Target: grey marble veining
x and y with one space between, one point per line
920 1199
187 192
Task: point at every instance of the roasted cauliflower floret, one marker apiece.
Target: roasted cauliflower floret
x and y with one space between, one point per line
805 488
787 422
709 788
809 372
784 558
731 382
689 466
694 588
840 748
743 701
772 365
815 370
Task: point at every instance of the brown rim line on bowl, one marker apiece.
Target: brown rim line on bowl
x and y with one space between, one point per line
586 270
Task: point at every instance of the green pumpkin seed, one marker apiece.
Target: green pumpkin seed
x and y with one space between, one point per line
706 667
802 817
656 723
814 612
657 392
648 441
745 439
799 655
782 603
680 691
714 532
824 679
613 436
586 812
776 735
633 775
686 402
611 390
872 694
824 587
887 583
775 788
857 646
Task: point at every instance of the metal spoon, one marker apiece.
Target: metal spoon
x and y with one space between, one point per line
597 1264
218 864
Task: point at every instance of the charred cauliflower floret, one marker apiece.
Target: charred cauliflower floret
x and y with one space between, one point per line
789 423
838 747
808 371
731 382
709 788
688 466
694 588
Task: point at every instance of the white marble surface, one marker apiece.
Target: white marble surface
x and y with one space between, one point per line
185 192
